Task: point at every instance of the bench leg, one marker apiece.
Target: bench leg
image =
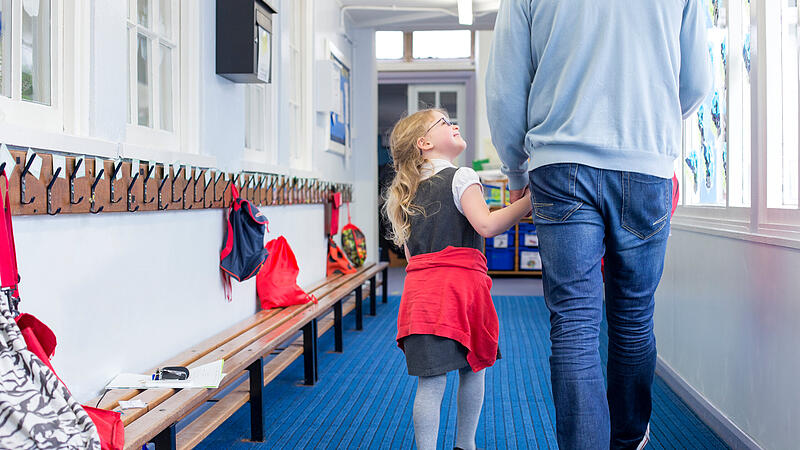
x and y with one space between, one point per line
385 285
167 439
310 352
372 296
256 371
359 309
337 326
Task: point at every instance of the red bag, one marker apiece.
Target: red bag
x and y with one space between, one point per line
39 338
337 262
332 211
41 341
276 282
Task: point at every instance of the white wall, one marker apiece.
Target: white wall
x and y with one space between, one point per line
123 291
728 321
483 137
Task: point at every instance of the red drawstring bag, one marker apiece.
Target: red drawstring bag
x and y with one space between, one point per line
354 243
41 341
332 212
337 262
276 282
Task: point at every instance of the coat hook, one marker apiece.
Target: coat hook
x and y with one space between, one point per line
50 194
22 183
205 189
175 177
273 189
194 189
183 193
144 185
222 196
161 206
131 197
92 196
114 173
258 190
72 183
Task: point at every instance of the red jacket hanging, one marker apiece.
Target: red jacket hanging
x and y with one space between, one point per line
447 294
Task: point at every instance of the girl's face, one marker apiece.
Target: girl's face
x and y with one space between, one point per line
443 137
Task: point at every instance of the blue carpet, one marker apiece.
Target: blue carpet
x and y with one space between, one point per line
364 396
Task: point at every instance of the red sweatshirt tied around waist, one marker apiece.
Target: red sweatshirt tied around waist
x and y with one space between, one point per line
448 294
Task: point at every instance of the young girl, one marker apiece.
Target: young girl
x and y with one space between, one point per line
447 320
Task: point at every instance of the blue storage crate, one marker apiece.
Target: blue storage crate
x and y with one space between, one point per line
527 235
500 258
502 240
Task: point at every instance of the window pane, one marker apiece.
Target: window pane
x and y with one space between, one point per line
448 101
5 48
740 105
426 100
255 117
389 44
143 89
705 133
35 51
442 44
143 12
165 87
782 101
165 17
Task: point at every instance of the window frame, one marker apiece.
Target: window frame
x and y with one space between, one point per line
758 222
153 136
409 63
28 114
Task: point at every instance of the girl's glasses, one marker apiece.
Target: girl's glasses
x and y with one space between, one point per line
442 119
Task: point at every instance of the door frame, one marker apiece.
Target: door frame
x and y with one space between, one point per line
467 78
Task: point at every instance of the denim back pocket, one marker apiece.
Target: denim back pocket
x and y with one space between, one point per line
553 191
646 201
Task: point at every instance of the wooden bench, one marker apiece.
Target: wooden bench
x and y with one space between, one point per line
244 347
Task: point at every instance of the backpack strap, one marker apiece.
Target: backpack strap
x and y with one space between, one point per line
349 222
9 275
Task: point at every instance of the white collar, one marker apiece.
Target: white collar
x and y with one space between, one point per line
434 166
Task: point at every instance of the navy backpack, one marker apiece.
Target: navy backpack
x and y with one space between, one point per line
244 252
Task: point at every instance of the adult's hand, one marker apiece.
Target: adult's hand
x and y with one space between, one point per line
517 194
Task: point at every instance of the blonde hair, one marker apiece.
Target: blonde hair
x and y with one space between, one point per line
408 161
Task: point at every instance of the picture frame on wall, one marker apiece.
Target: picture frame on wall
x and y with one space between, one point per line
338 134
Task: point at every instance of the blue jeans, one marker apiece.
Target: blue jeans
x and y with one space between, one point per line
583 214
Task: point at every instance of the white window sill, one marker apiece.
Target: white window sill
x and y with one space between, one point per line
782 237
80 145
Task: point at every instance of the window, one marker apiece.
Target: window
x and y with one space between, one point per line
29 53
747 132
782 114
427 47
450 44
299 90
259 126
716 157
153 32
389 44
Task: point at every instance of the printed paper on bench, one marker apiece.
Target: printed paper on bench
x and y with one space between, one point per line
205 376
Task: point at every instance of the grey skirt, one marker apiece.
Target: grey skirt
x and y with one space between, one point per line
428 355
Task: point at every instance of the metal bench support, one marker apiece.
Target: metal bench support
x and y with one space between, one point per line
310 352
359 309
372 295
385 285
256 371
166 439
337 327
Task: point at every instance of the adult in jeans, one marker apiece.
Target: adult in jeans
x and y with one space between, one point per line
585 100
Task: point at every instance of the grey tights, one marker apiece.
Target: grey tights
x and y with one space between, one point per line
428 403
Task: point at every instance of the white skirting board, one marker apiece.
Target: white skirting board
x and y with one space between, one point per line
708 413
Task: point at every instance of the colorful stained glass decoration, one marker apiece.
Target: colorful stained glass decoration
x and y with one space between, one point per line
691 163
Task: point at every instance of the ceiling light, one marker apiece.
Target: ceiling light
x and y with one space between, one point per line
465 12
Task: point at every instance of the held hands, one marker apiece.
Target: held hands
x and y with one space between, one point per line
523 196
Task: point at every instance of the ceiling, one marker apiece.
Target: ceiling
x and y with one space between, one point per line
409 15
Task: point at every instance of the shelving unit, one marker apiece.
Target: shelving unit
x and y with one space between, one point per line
517 271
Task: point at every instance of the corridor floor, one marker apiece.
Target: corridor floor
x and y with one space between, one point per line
364 396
